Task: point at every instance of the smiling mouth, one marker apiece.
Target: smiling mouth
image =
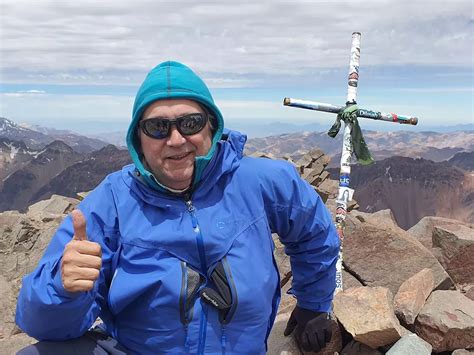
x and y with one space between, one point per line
179 157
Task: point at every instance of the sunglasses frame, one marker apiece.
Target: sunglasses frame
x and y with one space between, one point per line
142 124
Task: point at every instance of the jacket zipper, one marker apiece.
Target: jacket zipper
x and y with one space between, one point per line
202 258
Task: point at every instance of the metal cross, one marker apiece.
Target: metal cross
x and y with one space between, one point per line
345 193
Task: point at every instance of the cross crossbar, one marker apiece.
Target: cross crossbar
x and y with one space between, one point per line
345 193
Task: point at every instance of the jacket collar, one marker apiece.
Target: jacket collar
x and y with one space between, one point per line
229 152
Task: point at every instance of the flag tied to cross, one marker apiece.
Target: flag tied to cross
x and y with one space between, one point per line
353 141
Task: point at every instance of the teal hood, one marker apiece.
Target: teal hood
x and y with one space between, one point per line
171 80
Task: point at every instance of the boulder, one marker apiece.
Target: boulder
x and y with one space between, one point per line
15 343
277 342
447 321
367 314
410 344
349 280
23 239
259 154
327 189
423 230
380 255
412 294
457 251
463 352
282 260
382 218
469 292
56 205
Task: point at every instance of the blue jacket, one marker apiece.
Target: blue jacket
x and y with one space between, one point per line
159 250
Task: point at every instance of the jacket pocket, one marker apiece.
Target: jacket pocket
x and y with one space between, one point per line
191 282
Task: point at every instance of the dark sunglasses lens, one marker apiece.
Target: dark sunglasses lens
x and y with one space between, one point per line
157 128
191 124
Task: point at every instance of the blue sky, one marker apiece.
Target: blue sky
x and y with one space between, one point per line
78 65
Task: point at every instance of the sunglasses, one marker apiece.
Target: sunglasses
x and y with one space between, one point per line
187 125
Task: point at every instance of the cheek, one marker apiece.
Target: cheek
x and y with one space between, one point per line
205 143
151 148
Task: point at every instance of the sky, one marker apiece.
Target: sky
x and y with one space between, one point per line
78 64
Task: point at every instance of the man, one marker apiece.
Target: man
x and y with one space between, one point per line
174 252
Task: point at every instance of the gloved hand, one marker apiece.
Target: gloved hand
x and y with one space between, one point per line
313 329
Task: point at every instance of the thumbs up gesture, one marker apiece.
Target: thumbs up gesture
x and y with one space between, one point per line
82 259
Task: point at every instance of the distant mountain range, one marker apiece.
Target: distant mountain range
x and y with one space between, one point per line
36 137
435 176
428 145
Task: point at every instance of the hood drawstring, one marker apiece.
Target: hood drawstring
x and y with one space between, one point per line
223 339
186 339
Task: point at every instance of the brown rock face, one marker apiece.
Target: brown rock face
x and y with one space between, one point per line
423 230
383 256
349 281
457 250
23 239
367 313
412 295
469 292
447 321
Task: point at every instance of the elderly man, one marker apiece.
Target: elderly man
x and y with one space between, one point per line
174 253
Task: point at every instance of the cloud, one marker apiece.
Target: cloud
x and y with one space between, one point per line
116 42
24 93
35 108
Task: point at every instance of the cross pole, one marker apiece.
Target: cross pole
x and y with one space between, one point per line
345 193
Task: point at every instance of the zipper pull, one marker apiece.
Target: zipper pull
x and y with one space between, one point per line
191 211
190 206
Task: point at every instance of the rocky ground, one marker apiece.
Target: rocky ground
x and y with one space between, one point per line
405 292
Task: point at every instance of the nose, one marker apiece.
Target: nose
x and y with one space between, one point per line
175 138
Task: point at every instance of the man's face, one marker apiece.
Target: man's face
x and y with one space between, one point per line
171 159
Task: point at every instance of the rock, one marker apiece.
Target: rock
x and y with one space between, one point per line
463 352
412 294
457 250
6 313
327 189
277 342
259 154
367 313
316 169
305 161
357 348
349 280
410 344
469 292
384 256
383 218
423 230
55 205
282 260
287 301
15 343
447 321
23 239
82 195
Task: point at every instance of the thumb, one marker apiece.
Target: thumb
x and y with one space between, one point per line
290 326
79 225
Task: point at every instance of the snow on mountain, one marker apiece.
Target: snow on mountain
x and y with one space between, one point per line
37 137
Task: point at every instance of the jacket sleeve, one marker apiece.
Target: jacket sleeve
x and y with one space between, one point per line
305 227
45 310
